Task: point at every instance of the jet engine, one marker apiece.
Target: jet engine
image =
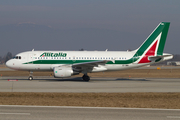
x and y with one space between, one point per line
61 72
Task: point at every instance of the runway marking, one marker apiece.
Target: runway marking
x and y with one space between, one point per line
15 113
175 117
12 80
81 107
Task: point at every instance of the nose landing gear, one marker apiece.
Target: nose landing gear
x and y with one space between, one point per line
30 75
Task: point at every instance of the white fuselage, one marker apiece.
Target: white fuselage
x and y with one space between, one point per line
34 60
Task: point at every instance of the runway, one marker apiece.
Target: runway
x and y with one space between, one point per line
95 85
85 113
151 67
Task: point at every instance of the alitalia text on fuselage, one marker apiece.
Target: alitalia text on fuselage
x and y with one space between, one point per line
49 54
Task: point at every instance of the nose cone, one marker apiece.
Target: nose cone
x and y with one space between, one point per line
9 63
13 64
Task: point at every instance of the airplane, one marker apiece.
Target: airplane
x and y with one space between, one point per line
67 63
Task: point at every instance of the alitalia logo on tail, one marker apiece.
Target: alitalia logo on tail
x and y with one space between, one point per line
49 54
154 44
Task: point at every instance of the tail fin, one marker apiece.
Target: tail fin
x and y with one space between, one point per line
154 44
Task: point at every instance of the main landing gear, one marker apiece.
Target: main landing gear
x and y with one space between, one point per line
30 75
86 78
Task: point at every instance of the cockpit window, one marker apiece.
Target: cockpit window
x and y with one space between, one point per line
17 57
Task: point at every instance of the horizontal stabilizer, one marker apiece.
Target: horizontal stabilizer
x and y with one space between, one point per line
158 58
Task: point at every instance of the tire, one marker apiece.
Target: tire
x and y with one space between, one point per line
30 78
86 78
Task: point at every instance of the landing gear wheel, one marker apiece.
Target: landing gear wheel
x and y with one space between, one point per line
30 75
86 78
30 78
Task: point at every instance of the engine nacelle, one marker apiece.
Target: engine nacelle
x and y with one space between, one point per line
61 72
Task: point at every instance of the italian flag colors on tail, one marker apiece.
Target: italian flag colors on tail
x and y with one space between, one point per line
154 44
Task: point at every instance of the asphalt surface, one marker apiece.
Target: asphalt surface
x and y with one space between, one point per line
85 113
96 85
151 67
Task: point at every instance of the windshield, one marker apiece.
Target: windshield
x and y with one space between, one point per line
17 57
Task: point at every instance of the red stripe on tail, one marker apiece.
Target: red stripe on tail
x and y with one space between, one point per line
150 52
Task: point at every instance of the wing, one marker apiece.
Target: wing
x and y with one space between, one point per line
92 64
88 66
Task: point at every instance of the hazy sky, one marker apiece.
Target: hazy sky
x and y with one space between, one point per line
88 24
